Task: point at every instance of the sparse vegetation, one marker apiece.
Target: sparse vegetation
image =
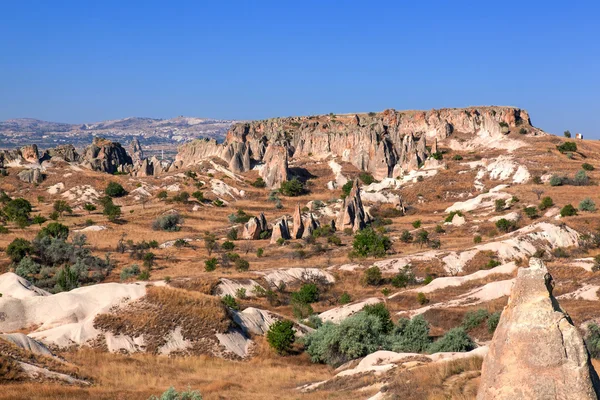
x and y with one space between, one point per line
370 243
281 336
568 211
292 188
114 189
168 222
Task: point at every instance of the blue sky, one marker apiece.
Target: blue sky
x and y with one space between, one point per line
86 61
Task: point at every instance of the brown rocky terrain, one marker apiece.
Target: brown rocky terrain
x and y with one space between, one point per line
454 197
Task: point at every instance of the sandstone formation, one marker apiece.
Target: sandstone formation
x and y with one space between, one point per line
381 143
536 352
33 175
135 150
65 152
310 224
17 157
275 170
106 156
352 215
254 227
298 228
280 230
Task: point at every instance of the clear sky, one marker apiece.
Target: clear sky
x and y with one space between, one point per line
84 61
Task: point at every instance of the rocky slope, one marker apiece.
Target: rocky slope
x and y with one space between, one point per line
385 143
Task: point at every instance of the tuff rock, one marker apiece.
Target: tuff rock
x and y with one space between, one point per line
298 228
536 352
106 156
280 230
352 215
33 175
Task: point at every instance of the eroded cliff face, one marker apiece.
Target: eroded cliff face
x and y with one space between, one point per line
106 156
382 143
536 352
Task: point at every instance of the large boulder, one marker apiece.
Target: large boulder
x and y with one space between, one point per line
352 215
254 227
536 352
33 175
106 156
280 231
65 152
275 169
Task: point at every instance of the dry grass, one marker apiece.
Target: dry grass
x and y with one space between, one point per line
164 309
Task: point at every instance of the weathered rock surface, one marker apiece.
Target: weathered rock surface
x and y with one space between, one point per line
66 152
254 227
536 352
275 170
106 156
352 215
310 224
135 150
381 143
298 228
33 175
17 157
280 230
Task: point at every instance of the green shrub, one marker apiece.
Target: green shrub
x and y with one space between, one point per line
18 249
198 195
505 225
450 216
581 178
130 272
457 157
372 276
17 210
347 188
344 298
172 394
260 252
556 180
27 268
410 336
218 203
240 217
568 211
3 230
437 156
292 188
112 211
546 203
406 236
416 224
439 229
473 319
240 293
422 237
366 178
61 207
493 263
403 278
592 340
477 239
227 245
537 179
587 204
380 311
39 219
230 302
422 299
500 205
368 242
455 340
162 195
567 134
241 264
492 321
168 222
281 336
259 183
114 189
211 264
54 230
567 146
531 212
587 167
523 131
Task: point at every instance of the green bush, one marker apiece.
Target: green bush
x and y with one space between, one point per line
477 239
54 230
416 224
372 276
422 237
230 302
347 188
457 157
473 319
587 204
567 146
18 249
368 242
592 340
114 189
450 216
211 264
505 225
567 134
380 311
292 188
39 219
198 195
227 245
581 178
410 336
366 178
17 210
406 236
556 180
422 299
241 264
568 211
3 230
61 207
546 203
492 321
162 195
281 336
260 252
500 205
344 298
259 183
403 278
240 217
27 268
587 167
168 222
130 272
172 394
531 212
455 340
112 211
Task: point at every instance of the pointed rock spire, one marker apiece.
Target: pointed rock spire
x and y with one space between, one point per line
298 228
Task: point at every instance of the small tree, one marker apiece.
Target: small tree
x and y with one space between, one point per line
281 336
89 207
546 203
210 242
538 193
198 195
372 276
422 237
211 264
567 134
114 189
162 195
61 207
111 210
18 249
169 223
587 204
506 225
581 178
54 230
406 236
172 394
292 188
368 242
568 211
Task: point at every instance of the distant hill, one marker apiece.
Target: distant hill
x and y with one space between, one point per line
18 132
